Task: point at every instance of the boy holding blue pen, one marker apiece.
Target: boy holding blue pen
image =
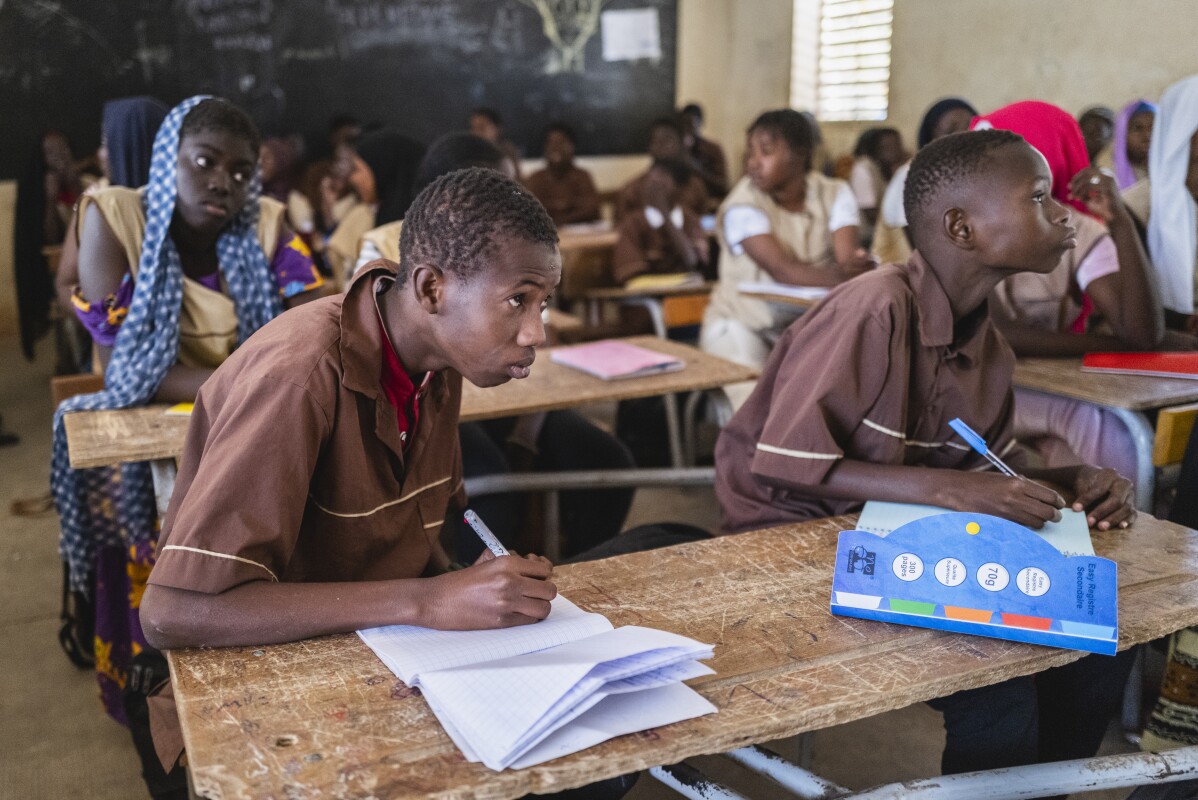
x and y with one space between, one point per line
856 400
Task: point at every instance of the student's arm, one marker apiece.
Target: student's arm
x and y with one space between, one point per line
67 276
493 593
783 267
1128 299
102 267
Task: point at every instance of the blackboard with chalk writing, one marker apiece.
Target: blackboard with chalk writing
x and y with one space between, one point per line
605 66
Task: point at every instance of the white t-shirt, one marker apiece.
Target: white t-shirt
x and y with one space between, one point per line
893 213
741 222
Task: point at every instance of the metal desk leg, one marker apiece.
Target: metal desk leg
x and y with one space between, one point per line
677 459
656 314
1143 434
800 782
162 472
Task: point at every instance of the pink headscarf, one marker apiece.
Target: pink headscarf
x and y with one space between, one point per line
1051 130
1125 174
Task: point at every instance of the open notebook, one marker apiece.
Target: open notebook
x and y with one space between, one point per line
515 697
811 293
612 359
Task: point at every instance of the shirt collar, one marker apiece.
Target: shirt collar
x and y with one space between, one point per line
656 219
937 328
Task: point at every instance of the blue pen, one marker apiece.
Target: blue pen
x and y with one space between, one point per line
979 444
484 533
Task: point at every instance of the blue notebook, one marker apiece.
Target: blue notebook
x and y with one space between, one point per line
978 574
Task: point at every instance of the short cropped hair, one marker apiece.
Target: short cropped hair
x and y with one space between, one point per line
218 114
692 110
562 128
949 160
791 127
678 170
460 218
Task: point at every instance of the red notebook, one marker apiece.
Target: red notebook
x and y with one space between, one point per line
611 359
1162 365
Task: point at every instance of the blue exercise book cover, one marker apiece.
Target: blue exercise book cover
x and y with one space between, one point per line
974 573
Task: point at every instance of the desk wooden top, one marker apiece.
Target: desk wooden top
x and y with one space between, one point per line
624 292
325 717
102 438
1064 377
572 240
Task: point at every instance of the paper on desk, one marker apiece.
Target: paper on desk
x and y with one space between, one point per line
410 651
784 289
616 715
1071 535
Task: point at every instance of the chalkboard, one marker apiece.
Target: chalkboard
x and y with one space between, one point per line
415 65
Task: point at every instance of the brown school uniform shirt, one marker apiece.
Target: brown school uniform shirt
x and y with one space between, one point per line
294 468
568 198
711 158
873 373
642 249
632 196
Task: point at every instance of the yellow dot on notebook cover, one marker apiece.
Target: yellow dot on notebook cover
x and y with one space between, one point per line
973 529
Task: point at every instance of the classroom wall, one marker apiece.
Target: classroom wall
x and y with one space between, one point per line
8 287
1074 53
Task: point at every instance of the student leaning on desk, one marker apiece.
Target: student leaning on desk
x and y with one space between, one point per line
854 404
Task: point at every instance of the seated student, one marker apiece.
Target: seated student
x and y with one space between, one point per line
1133 136
383 168
1101 296
782 222
855 401
558 440
566 190
665 142
343 530
1164 203
183 270
1098 126
486 123
878 153
664 237
705 156
945 116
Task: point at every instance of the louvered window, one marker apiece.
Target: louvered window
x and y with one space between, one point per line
840 63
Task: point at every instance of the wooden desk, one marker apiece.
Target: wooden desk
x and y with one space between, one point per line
782 299
1125 396
572 240
325 717
586 259
104 438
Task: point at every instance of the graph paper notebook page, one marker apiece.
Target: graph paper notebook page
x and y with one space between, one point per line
1071 535
501 694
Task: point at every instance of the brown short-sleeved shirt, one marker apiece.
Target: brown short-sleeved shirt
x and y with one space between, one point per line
568 198
632 196
294 469
643 249
873 373
711 158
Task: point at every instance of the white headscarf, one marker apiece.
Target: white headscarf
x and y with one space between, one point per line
1172 230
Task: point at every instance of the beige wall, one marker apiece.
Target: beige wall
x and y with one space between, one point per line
1073 53
8 287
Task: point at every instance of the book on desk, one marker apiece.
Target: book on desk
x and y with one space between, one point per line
612 359
515 697
1159 365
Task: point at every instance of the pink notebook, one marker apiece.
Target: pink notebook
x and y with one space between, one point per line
612 359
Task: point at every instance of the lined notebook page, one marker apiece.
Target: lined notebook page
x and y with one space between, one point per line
410 651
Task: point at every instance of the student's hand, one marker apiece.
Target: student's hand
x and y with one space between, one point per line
493 593
1108 498
1019 500
1097 189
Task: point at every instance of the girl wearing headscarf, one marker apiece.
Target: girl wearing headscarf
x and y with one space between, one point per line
173 277
1101 296
948 115
1131 147
127 128
1165 203
383 169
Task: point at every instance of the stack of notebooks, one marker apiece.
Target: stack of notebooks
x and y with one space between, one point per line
516 697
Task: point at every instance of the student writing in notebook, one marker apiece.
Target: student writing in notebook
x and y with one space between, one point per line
855 401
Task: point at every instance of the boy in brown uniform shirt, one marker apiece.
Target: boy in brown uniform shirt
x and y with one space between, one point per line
566 190
662 237
855 400
322 457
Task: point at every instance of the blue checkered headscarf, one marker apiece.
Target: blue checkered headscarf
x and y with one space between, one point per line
94 508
